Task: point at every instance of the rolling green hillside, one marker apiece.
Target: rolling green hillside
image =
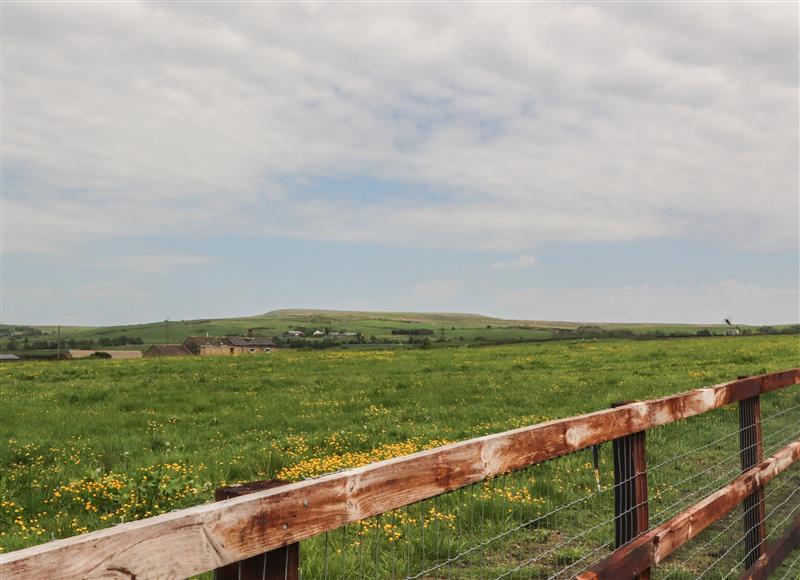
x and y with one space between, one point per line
374 326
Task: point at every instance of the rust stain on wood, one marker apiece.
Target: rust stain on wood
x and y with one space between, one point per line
282 563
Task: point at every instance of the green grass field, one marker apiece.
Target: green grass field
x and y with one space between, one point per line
90 443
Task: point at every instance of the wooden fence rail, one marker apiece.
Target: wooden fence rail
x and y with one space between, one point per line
654 546
210 536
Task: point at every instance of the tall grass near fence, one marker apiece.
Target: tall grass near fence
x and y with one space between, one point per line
501 467
556 519
373 402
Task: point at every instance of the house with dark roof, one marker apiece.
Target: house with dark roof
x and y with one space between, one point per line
201 345
228 345
250 344
168 350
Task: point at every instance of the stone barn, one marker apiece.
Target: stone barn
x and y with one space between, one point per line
250 344
228 345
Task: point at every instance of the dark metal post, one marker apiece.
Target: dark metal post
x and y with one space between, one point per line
752 452
630 489
279 564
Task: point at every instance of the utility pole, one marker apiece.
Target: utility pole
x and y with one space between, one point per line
58 343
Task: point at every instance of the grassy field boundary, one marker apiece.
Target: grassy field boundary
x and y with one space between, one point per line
375 329
208 536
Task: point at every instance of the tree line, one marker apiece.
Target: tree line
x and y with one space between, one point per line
78 343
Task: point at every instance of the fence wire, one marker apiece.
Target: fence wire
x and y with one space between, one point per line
720 551
555 519
791 567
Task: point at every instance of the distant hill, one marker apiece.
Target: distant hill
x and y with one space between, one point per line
373 326
358 315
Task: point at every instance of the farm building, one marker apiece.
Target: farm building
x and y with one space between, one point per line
228 345
115 354
167 350
7 357
206 345
249 344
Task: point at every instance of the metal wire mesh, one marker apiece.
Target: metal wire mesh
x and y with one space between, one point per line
720 551
516 525
790 568
556 519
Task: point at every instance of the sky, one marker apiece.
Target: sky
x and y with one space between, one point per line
544 161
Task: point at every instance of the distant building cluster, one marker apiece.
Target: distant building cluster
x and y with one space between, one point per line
319 334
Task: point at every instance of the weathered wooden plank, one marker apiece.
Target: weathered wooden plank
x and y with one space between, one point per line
769 562
654 546
204 537
280 564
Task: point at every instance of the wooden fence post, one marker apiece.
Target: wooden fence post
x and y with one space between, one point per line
280 564
631 513
752 452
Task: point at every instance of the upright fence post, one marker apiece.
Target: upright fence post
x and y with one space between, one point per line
631 513
280 564
752 452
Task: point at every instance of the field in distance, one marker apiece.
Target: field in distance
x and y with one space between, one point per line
386 328
91 443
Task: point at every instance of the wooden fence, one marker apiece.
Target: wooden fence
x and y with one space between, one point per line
206 537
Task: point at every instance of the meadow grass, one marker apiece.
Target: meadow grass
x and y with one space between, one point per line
90 443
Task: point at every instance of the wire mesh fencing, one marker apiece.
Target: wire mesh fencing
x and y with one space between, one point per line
555 519
720 551
791 568
543 518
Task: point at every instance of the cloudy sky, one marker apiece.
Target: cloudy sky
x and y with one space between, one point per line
604 162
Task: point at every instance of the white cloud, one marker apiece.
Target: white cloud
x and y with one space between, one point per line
529 123
520 263
703 303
